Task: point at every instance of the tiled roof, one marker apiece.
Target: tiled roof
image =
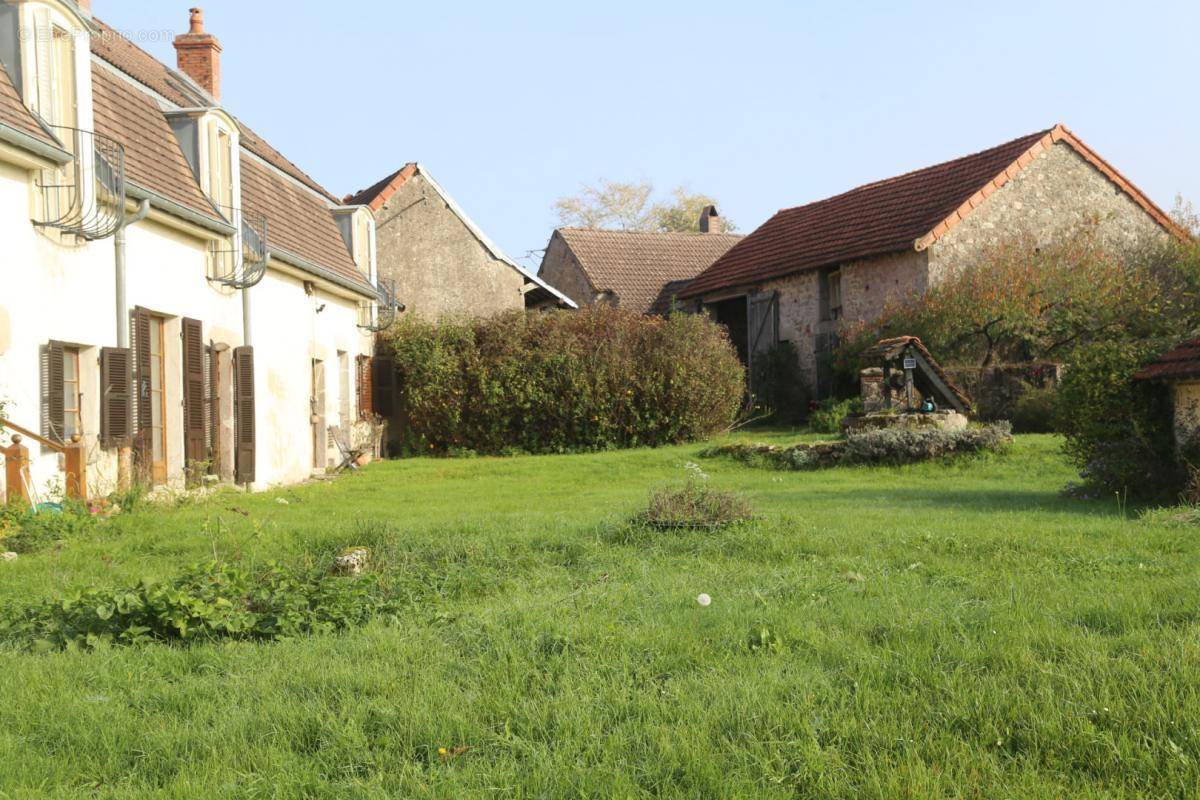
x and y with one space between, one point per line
908 212
15 115
376 196
153 159
300 223
638 267
1182 362
889 349
123 54
882 217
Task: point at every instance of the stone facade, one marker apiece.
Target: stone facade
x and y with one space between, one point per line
1187 410
1056 194
562 270
439 266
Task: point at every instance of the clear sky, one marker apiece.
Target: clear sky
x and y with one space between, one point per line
763 105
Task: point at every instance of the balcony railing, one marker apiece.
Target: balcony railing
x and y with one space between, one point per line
241 261
85 197
379 315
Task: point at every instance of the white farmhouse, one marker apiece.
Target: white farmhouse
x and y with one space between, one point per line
175 295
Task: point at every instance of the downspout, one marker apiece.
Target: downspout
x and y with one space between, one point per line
246 338
119 248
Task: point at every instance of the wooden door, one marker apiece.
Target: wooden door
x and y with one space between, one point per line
319 435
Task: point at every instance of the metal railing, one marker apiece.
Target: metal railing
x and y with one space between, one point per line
241 261
85 197
381 314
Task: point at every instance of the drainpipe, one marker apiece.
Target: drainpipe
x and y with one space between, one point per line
246 338
119 247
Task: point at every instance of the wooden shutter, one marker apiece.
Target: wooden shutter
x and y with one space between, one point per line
243 370
53 397
143 412
193 391
116 400
383 386
362 386
43 57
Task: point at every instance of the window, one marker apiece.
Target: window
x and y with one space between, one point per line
220 166
72 398
831 295
362 242
52 91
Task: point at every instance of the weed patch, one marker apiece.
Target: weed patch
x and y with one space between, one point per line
695 506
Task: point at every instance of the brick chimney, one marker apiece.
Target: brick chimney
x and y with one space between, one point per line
84 5
710 221
198 55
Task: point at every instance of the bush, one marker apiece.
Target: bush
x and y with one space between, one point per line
1118 431
210 601
904 446
595 379
696 505
22 531
1034 410
778 385
887 446
828 416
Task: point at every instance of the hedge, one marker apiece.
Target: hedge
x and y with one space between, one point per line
595 379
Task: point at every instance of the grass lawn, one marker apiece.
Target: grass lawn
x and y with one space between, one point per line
933 631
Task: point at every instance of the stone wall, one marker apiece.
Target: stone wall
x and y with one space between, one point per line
1187 410
439 267
561 270
1057 193
868 286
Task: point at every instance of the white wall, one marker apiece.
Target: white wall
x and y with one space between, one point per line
65 292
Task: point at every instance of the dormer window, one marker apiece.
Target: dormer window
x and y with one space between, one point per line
358 229
50 70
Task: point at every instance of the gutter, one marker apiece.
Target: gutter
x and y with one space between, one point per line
175 209
322 272
16 138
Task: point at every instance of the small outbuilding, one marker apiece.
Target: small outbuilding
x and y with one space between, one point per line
1179 369
906 387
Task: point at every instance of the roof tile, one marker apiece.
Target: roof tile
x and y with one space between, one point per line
1182 362
644 270
14 114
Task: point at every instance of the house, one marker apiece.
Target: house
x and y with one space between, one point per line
1179 369
437 258
637 270
179 298
812 268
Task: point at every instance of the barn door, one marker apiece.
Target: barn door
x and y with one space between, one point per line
763 326
317 399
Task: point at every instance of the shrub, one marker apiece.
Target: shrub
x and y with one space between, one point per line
696 505
778 385
210 601
882 446
1118 431
904 446
22 531
595 379
828 416
1034 410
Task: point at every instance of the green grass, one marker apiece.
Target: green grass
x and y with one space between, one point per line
935 631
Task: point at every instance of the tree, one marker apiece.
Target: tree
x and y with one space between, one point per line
628 207
1185 215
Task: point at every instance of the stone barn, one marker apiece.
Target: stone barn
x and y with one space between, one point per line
641 271
811 269
440 261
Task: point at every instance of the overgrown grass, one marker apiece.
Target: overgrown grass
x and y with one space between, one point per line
927 631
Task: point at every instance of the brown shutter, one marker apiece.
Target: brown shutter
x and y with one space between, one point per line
116 401
193 391
243 371
383 386
143 411
54 416
362 386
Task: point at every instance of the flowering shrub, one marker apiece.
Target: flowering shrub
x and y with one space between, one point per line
595 379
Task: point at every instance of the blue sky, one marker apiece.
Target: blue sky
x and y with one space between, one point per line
763 105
